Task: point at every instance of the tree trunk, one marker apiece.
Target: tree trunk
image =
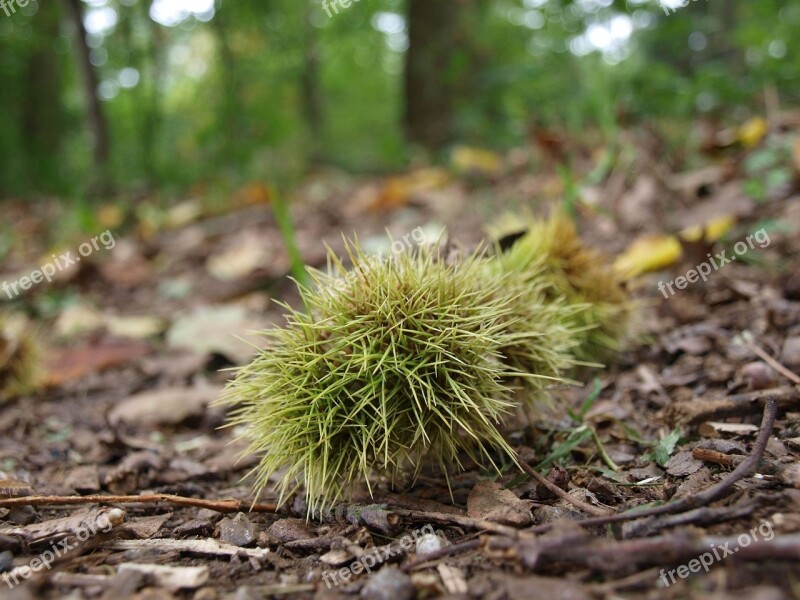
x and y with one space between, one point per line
431 71
310 85
96 120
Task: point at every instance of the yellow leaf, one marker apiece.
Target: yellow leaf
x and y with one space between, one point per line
466 158
648 253
110 216
752 132
713 230
398 190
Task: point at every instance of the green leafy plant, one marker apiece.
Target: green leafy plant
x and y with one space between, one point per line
392 362
664 448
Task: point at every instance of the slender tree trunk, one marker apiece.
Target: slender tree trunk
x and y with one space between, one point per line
312 96
431 71
96 120
43 121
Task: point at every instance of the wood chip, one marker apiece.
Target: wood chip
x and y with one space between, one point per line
207 547
172 578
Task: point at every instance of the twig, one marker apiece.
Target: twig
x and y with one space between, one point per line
623 555
224 506
202 547
460 520
444 552
707 496
577 503
738 405
716 457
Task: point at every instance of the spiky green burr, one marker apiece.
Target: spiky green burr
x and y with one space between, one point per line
393 361
550 258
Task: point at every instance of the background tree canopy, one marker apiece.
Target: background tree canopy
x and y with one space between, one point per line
139 93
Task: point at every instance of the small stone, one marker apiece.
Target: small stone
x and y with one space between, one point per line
289 530
428 544
390 583
195 527
6 561
757 375
238 531
790 356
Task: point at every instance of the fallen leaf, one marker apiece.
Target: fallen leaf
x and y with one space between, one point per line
709 232
648 253
752 132
71 364
398 191
467 159
492 502
247 253
183 213
212 330
167 406
77 319
252 194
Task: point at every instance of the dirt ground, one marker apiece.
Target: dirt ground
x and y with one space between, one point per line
703 411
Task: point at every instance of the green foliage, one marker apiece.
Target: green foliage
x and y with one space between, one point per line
264 89
393 361
662 450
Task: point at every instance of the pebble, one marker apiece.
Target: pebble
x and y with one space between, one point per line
790 357
6 561
238 531
428 544
390 583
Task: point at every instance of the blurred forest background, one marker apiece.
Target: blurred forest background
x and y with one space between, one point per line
130 96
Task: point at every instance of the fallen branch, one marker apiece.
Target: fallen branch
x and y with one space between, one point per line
739 405
223 506
460 520
707 496
444 552
576 502
205 547
611 556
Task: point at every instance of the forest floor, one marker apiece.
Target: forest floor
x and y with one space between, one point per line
703 413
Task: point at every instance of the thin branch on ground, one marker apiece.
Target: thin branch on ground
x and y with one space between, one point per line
576 502
223 506
460 520
450 550
620 556
707 496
